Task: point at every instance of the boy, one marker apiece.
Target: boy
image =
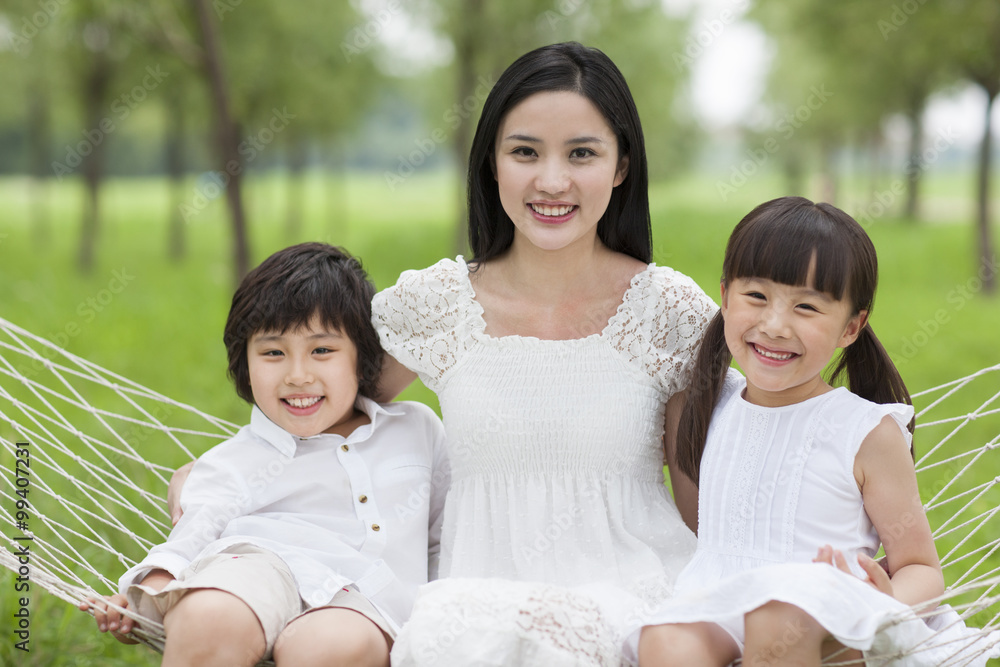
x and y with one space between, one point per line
301 537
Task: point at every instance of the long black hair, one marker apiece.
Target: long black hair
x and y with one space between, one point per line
569 66
781 240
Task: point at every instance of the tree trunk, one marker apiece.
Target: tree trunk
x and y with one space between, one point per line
176 246
95 94
987 258
40 140
915 164
228 138
466 48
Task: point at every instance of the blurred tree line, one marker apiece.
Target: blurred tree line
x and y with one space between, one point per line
225 87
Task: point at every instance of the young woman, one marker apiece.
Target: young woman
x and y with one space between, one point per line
553 352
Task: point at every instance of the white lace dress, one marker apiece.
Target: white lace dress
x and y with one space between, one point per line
558 529
776 485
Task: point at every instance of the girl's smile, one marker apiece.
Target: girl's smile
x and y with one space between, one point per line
783 336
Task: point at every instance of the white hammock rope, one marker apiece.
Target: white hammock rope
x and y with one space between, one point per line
101 449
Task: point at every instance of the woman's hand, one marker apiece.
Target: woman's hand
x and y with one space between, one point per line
878 578
174 491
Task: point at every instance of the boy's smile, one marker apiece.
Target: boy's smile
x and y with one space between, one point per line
306 380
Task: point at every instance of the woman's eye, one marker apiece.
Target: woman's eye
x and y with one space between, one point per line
582 153
524 151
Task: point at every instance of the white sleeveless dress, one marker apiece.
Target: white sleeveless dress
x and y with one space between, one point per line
558 529
776 485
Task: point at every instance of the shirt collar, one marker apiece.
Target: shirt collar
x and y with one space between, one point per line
286 443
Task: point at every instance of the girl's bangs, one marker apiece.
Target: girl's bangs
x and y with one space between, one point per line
784 245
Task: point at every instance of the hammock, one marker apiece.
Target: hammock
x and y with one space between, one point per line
85 495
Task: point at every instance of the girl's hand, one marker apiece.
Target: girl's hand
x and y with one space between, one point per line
878 578
110 619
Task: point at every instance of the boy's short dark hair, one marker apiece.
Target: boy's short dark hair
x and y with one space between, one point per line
283 294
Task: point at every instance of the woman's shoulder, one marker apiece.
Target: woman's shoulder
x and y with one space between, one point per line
666 303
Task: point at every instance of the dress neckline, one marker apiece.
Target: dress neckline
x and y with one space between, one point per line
479 322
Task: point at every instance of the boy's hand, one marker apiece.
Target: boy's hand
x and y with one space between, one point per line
174 491
878 577
110 619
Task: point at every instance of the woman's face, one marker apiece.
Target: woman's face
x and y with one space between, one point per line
556 165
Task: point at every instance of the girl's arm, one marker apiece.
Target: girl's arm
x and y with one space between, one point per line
685 491
884 473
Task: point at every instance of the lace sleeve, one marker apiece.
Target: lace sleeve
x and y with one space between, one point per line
671 313
422 320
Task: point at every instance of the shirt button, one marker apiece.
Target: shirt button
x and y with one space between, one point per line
362 498
376 527
344 447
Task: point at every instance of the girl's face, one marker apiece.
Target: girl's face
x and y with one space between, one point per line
556 165
783 336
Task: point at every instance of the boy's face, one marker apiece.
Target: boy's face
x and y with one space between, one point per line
305 380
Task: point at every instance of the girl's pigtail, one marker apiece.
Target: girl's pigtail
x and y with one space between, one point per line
870 372
709 375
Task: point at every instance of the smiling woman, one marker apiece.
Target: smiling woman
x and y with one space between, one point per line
553 352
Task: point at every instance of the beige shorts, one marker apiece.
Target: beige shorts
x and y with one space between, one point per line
261 580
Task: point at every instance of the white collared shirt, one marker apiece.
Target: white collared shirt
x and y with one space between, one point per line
366 509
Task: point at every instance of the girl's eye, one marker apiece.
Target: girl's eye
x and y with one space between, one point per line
756 295
809 307
582 153
322 350
272 353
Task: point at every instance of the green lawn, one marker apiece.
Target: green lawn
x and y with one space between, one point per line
159 323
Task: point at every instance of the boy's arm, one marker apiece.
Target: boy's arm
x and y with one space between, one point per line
440 482
106 610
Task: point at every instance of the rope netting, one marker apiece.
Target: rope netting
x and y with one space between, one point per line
88 455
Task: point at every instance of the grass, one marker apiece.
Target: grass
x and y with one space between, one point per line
159 322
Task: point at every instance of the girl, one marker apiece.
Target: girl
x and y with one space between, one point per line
787 465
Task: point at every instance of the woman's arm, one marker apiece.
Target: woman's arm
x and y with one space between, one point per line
394 379
884 472
685 491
